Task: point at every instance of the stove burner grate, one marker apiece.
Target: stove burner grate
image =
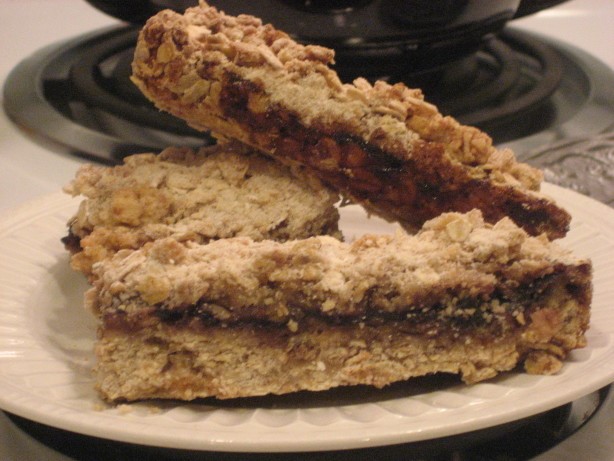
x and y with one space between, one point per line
77 96
514 77
101 80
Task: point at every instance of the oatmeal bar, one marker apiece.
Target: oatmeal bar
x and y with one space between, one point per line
236 318
380 145
217 192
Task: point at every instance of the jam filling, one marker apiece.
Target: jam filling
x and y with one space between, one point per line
494 314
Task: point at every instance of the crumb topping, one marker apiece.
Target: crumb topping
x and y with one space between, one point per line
455 258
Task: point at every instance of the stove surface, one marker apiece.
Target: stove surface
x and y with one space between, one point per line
29 169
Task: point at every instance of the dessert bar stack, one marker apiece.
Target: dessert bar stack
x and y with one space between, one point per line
223 272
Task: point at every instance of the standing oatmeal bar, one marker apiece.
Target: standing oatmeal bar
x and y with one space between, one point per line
380 145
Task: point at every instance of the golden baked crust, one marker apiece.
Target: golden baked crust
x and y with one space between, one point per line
380 145
218 192
237 318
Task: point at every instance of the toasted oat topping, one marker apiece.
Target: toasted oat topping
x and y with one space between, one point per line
455 256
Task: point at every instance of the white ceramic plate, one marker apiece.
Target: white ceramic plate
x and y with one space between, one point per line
46 339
